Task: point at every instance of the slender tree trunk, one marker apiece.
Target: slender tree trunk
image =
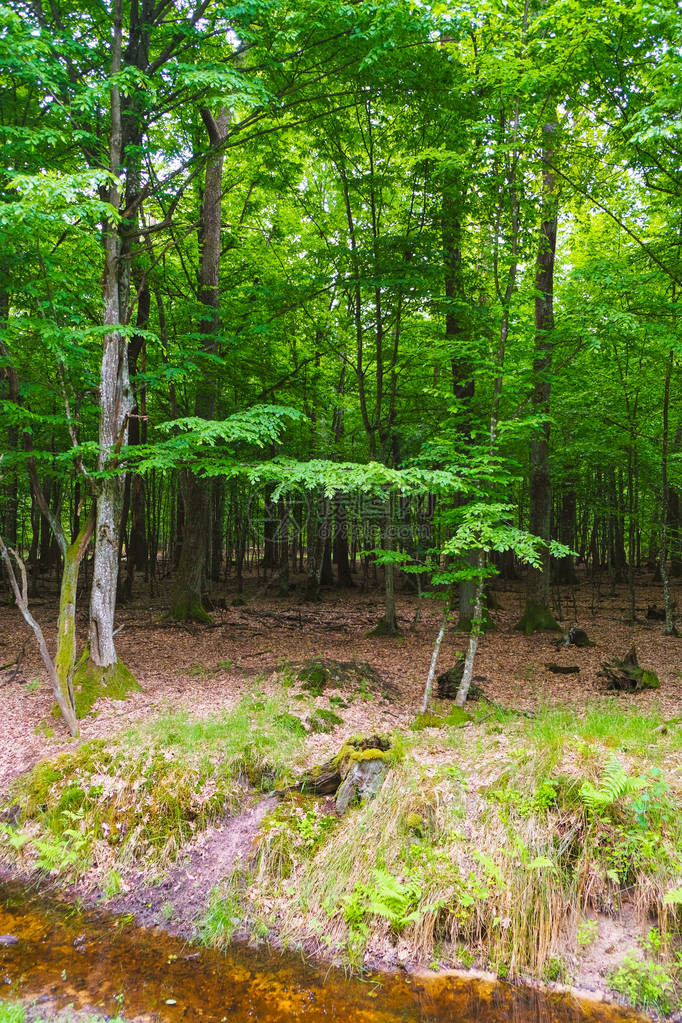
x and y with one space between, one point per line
474 635
434 661
537 614
670 629
11 485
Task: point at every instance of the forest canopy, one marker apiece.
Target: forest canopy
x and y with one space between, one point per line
396 281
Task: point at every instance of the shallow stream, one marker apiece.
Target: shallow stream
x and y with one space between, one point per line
107 964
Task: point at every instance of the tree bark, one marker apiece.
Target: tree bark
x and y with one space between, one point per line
538 583
190 579
115 398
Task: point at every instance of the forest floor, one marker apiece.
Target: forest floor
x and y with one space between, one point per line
459 782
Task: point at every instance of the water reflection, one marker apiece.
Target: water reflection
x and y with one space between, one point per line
101 962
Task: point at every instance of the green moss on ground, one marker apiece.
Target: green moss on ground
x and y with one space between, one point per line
189 611
92 682
322 720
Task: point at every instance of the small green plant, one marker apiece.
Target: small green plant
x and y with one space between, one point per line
222 917
555 970
614 786
167 911
113 884
384 896
645 984
587 933
654 942
34 685
465 956
200 671
322 720
364 691
65 850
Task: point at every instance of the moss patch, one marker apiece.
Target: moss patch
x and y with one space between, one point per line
189 611
92 682
322 720
353 677
291 723
427 720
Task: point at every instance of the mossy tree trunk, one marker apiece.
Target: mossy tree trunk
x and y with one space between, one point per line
60 670
115 396
65 658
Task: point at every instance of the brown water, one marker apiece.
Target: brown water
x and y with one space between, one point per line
102 963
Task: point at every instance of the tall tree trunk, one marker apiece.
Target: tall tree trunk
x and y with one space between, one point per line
670 629
11 487
564 570
453 193
315 546
537 614
115 399
190 579
344 576
388 625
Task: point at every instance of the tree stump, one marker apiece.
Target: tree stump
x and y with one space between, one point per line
447 683
354 774
628 676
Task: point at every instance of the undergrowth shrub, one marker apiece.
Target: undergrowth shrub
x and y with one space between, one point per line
645 984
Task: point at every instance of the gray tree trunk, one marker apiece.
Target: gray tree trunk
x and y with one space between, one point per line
115 397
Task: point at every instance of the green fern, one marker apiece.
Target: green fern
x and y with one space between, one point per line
615 785
385 896
393 899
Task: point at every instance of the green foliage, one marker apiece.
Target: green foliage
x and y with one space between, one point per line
12 1013
384 896
587 933
645 984
223 916
615 786
322 720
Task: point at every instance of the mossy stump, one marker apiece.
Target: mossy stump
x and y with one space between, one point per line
354 774
537 618
628 676
91 682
